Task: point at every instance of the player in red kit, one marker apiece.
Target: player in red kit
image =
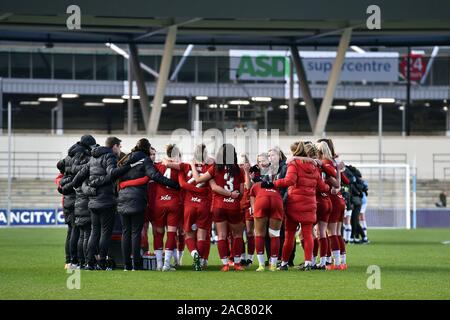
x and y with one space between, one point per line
197 217
247 212
167 212
268 210
227 183
333 168
302 178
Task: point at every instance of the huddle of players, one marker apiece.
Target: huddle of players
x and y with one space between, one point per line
236 197
184 199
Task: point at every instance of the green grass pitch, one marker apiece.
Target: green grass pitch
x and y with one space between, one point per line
414 264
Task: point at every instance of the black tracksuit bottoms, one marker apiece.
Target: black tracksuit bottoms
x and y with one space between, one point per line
131 239
102 226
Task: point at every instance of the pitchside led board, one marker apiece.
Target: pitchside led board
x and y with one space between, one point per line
274 65
32 217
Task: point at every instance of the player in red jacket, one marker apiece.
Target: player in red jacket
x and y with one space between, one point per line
167 212
227 183
334 169
268 210
302 178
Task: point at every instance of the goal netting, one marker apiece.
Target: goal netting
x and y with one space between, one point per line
388 204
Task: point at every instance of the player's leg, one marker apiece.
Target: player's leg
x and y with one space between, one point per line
290 228
307 235
274 234
260 235
362 221
137 222
348 225
250 231
221 224
237 226
87 234
93 239
144 237
323 243
126 241
315 246
171 241
334 243
74 237
158 228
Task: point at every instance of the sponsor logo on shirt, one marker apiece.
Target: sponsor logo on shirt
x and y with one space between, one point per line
166 198
229 200
195 199
271 190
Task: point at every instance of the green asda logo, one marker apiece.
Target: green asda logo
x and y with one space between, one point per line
262 67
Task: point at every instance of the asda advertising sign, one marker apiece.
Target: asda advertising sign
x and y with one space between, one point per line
274 65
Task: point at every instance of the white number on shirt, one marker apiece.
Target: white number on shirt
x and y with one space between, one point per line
229 182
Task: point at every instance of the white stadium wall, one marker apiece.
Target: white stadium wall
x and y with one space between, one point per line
418 149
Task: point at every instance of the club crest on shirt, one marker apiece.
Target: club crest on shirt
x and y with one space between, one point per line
166 198
196 199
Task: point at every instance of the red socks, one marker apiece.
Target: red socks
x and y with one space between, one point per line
341 244
334 241
222 246
259 242
316 247
323 247
274 246
171 240
158 241
250 245
238 247
190 243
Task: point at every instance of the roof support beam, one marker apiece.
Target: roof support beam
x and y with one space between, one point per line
304 87
140 83
333 80
155 115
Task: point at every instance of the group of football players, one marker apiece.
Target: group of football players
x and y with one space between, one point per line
185 202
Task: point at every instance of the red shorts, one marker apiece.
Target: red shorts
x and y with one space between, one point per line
199 215
323 208
338 208
229 215
270 207
166 216
247 214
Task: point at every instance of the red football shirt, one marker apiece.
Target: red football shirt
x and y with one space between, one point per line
196 194
230 183
166 196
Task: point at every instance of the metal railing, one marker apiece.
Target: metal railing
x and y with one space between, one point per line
28 164
446 173
439 159
373 157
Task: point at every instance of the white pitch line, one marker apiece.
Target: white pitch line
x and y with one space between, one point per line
446 242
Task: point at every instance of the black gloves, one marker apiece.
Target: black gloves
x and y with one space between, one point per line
267 184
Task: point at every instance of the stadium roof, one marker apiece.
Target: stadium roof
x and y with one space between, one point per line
230 22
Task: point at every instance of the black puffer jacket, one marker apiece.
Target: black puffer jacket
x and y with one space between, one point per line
82 214
66 166
133 199
282 169
101 172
